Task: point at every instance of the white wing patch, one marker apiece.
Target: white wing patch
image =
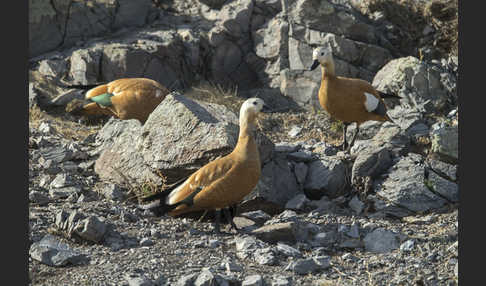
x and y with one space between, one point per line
371 102
170 199
158 93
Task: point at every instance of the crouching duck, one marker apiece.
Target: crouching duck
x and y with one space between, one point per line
221 183
348 99
126 98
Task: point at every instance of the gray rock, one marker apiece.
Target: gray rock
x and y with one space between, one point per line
407 245
205 277
298 202
53 67
370 163
309 265
269 40
325 239
187 280
445 143
356 205
443 169
264 256
232 266
418 82
246 246
288 250
281 281
286 147
113 192
353 231
253 280
57 154
300 171
445 188
381 241
244 224
77 224
33 95
138 280
405 186
301 156
350 243
49 250
294 131
62 22
85 66
146 242
38 198
326 177
258 216
64 192
277 183
288 232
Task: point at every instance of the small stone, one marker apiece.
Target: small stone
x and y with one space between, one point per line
381 241
253 280
38 198
50 251
138 280
244 224
205 278
213 243
295 131
187 280
300 171
353 231
281 281
286 147
113 192
62 180
231 266
288 250
325 238
146 242
297 203
277 232
356 205
64 192
264 256
301 156
407 245
259 216
308 265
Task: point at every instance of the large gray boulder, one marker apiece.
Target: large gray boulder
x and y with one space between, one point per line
420 84
327 176
65 22
179 137
406 186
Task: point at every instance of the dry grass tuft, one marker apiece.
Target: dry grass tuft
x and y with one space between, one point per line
215 93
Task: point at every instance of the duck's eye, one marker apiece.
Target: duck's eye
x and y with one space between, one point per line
254 103
322 53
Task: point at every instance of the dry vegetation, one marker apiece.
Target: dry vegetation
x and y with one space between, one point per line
315 124
411 17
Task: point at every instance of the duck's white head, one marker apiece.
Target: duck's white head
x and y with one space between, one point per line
250 109
323 56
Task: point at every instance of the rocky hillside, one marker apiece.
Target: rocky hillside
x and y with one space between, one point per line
385 214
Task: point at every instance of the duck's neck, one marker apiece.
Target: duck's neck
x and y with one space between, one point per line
246 143
328 70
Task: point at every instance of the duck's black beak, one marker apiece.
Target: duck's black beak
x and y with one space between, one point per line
314 65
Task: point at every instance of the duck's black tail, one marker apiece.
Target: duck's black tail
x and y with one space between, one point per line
158 205
388 95
82 86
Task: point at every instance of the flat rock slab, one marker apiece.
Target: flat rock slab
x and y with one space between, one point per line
49 250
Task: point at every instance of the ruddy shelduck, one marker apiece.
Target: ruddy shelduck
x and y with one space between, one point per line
348 99
125 98
221 183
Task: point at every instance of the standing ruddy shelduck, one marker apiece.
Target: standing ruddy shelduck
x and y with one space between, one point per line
348 99
222 182
126 98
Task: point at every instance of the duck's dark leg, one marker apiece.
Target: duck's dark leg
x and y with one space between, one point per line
229 217
203 215
344 145
354 138
217 219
